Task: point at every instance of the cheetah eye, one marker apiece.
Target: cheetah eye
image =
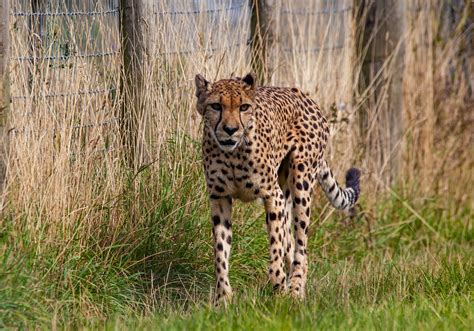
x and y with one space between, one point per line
244 107
216 106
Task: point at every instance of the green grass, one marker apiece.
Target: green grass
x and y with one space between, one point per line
403 264
253 314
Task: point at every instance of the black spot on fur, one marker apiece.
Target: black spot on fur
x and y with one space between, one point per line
305 185
325 175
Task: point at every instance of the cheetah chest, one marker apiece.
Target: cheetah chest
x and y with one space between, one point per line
239 177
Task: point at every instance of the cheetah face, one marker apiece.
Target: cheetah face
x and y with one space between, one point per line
227 107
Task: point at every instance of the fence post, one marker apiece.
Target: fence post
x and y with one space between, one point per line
4 90
385 29
132 81
265 25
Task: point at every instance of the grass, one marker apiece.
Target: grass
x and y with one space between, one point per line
398 266
256 314
411 287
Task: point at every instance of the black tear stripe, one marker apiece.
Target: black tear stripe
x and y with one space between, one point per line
240 119
220 118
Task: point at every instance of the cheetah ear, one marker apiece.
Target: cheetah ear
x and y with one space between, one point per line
201 85
250 80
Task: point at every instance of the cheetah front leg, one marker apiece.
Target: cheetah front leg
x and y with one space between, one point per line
275 208
221 210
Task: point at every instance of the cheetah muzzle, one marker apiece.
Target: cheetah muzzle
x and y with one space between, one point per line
266 143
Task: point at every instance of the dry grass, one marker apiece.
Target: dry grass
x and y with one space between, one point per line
59 168
438 101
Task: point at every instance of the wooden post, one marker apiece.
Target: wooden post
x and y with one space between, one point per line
265 32
385 28
132 82
4 90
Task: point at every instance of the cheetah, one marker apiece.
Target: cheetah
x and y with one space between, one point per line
266 143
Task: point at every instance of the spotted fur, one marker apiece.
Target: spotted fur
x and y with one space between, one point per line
266 143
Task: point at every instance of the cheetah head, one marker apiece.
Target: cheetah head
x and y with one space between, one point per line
227 107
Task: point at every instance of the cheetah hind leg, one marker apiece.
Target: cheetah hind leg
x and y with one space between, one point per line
289 240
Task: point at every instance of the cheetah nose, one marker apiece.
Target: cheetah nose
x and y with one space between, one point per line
230 131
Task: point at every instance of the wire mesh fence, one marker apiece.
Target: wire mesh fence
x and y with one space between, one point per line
54 36
63 86
183 38
66 54
56 42
66 57
193 25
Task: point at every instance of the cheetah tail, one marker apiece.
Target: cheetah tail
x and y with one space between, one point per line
340 198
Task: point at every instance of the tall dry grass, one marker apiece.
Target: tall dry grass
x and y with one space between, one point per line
323 50
438 103
68 183
64 169
65 162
